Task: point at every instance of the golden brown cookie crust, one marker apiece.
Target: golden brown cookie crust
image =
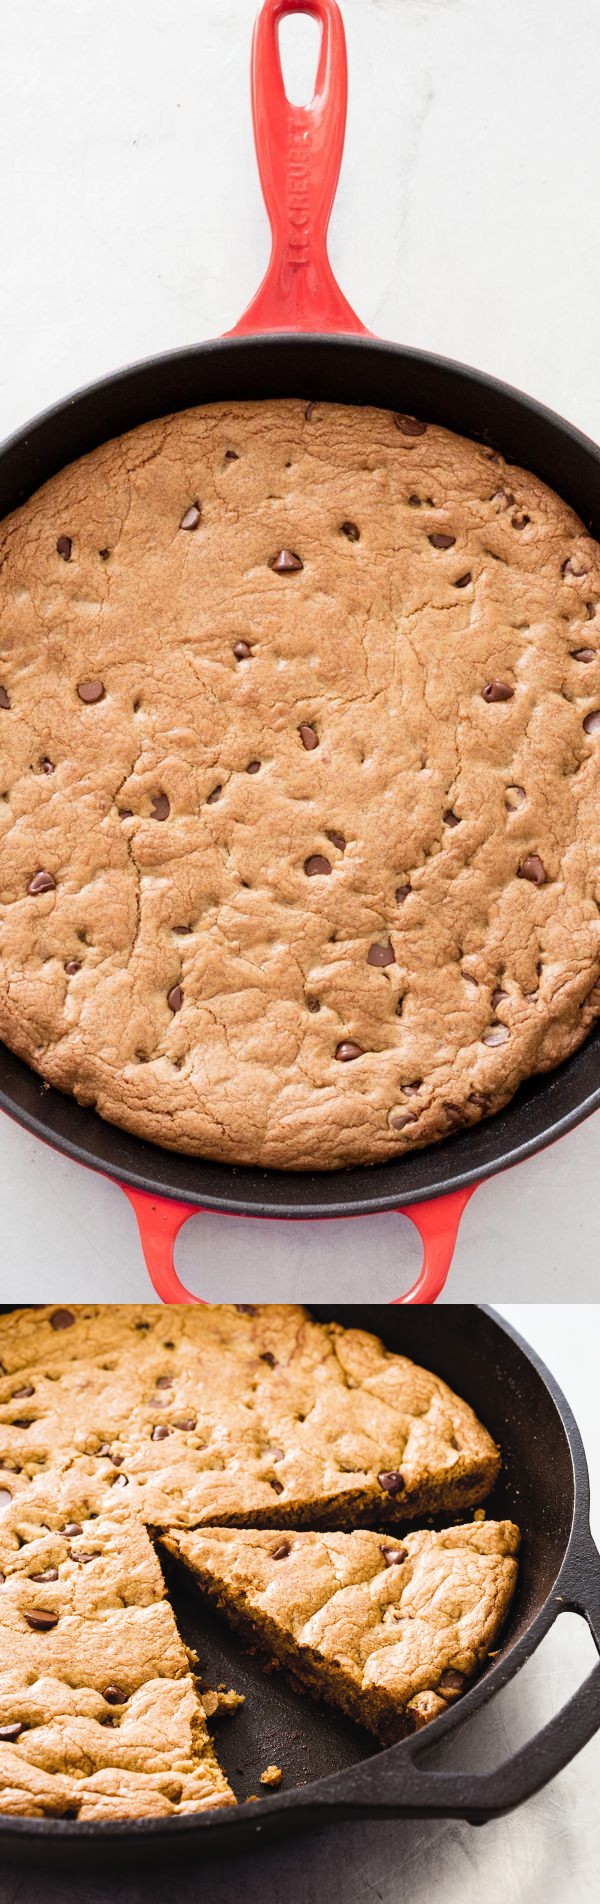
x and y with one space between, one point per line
286 812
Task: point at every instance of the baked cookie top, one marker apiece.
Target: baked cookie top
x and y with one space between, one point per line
389 1630
257 1415
300 776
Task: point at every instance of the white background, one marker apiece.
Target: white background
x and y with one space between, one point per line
467 221
548 1852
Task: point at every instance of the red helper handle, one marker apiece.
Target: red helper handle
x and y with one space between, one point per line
160 1221
299 151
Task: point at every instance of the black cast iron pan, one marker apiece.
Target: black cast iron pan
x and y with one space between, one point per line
309 343
332 1771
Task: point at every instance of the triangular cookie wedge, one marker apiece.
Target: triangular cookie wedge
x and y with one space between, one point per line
389 1630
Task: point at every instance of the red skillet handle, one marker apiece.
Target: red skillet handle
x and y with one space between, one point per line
160 1221
299 151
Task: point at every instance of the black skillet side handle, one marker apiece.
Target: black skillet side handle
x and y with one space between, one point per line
414 1791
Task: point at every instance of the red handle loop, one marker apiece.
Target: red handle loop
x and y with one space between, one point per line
160 1221
299 151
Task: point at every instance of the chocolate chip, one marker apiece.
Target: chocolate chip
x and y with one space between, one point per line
24 1421
72 966
241 650
4 698
72 1528
451 1681
164 1381
504 496
496 1035
103 1449
591 723
191 518
104 554
64 547
348 1050
381 954
42 1621
309 412
497 996
214 796
42 882
285 562
590 609
90 691
520 522
497 691
402 893
276 1454
450 817
161 806
159 1433
398 1120
532 868
463 580
337 839
5 1497
409 425
514 797
316 864
277 1486
350 530
117 1460
253 766
440 541
84 1555
246 1308
51 1573
46 765
114 1695
394 1556
583 654
125 813
182 931
120 1481
231 456
269 1359
175 998
312 1005
308 736
570 568
281 1552
19 1392
62 1319
185 1422
392 1481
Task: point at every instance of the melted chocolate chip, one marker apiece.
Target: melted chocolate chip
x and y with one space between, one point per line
84 1555
347 1050
532 868
583 654
394 1556
72 1528
90 691
315 865
50 1573
381 955
497 997
253 766
409 425
440 541
392 1481
175 998
285 562
241 650
42 1620
451 1681
337 839
497 691
64 547
72 966
8 1733
308 736
185 1422
192 517
4 698
161 806
114 1695
591 723
450 817
159 1433
398 1120
520 522
402 893
62 1319
281 1552
164 1381
350 530
42 882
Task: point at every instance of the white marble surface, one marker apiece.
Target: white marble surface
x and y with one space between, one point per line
549 1849
466 221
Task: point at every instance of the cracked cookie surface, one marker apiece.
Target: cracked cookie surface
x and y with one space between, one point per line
300 776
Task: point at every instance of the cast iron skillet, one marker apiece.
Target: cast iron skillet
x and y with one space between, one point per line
332 1770
310 343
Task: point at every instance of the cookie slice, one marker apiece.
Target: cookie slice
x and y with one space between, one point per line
390 1631
99 1713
